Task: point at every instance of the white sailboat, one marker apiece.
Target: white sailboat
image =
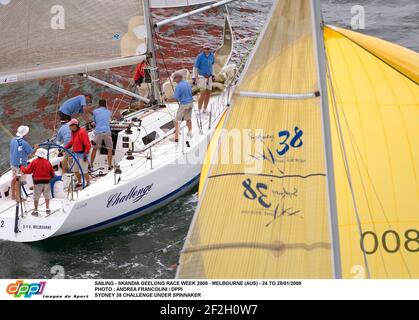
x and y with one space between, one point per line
150 170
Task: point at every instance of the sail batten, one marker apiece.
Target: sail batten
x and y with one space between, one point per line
280 96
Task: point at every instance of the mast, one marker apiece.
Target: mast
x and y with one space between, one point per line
331 186
152 52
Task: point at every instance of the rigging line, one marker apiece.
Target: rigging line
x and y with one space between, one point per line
5 130
115 110
382 124
360 153
364 188
164 61
356 148
353 140
197 113
354 143
167 71
165 68
28 20
57 108
346 160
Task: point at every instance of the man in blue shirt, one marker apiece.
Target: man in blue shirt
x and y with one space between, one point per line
64 134
20 151
64 137
204 74
74 106
183 95
103 134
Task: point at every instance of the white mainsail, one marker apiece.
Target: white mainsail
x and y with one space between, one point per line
51 38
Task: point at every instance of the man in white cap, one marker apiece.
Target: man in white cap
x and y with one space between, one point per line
203 76
42 173
20 151
182 95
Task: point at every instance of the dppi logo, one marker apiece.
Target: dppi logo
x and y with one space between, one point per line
135 194
26 290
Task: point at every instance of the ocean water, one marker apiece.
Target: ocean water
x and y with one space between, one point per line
149 247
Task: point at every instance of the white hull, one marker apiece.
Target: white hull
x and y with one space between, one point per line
144 187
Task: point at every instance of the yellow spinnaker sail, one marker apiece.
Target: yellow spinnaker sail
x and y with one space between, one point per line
274 223
375 101
270 221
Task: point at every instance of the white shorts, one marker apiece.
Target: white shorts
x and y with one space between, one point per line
83 164
204 83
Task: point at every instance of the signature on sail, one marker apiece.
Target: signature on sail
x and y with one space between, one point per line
287 142
259 193
283 212
284 193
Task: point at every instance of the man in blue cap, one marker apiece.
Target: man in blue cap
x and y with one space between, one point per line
204 76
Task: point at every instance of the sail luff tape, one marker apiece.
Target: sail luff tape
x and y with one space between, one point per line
279 96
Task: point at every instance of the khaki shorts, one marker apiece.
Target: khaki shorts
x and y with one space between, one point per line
100 137
84 165
204 83
42 189
185 112
16 171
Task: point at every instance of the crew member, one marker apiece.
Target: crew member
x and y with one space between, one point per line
182 95
81 145
203 75
42 173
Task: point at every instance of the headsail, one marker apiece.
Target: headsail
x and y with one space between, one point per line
376 143
51 38
374 102
224 53
270 221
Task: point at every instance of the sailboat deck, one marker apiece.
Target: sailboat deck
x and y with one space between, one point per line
164 151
